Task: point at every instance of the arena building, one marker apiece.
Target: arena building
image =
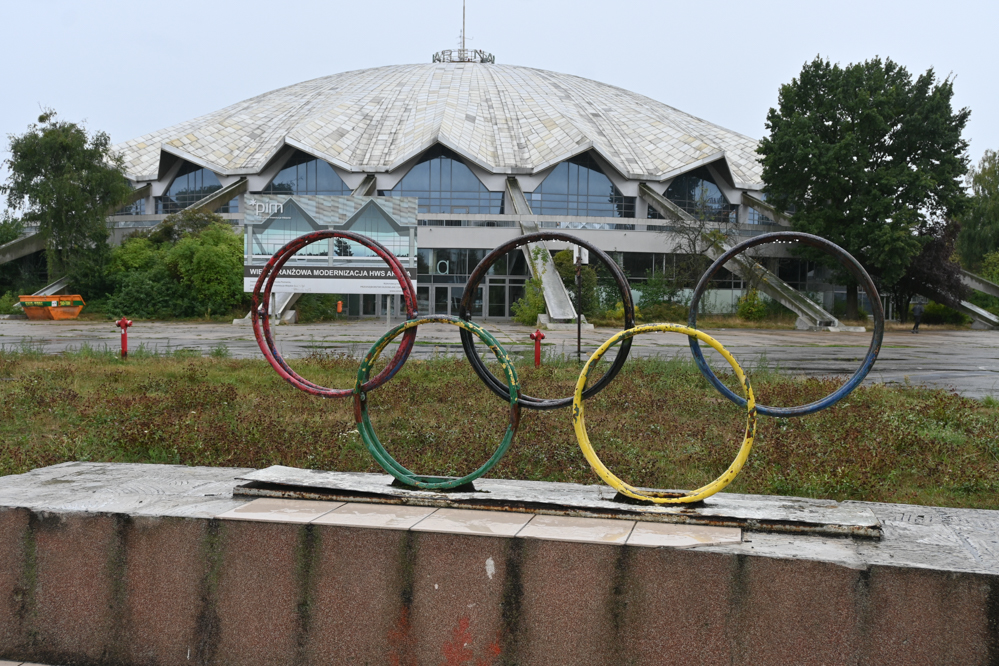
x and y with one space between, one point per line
485 151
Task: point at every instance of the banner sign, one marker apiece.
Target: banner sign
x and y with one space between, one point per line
330 279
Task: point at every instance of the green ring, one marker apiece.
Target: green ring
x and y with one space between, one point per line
367 431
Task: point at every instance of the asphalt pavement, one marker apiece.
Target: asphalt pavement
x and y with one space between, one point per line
966 361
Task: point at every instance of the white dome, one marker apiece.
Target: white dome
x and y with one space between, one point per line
504 118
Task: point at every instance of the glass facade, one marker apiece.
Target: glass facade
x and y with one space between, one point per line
134 208
372 223
287 225
192 184
579 187
305 174
697 193
444 184
755 216
442 274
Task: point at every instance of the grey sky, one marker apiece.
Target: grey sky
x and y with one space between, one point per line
132 67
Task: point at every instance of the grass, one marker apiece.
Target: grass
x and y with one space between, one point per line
659 424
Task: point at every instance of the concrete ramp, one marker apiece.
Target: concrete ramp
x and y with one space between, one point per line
763 208
810 316
978 283
983 318
281 304
53 288
22 247
557 299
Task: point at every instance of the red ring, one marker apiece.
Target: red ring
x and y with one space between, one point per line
262 329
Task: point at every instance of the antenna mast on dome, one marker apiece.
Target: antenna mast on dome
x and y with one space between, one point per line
463 54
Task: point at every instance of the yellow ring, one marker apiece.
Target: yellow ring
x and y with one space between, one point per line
710 489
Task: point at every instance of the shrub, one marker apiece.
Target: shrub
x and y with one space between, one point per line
935 313
318 307
526 310
752 306
658 289
154 277
145 295
7 303
665 312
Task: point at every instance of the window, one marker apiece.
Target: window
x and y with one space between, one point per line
192 184
374 224
460 262
444 184
697 193
578 187
755 216
305 174
135 208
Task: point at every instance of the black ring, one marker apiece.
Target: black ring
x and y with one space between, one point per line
850 264
468 343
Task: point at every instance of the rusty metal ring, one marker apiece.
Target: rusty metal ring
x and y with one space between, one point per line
367 431
468 343
850 264
261 319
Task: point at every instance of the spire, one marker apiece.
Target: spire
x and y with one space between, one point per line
463 54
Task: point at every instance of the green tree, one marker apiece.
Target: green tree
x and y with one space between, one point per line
566 268
68 182
864 155
980 224
210 266
189 265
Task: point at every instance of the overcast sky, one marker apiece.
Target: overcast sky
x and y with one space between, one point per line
132 67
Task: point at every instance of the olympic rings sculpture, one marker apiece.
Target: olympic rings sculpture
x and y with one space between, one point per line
509 390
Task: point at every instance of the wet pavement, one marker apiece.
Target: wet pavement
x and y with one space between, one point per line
965 361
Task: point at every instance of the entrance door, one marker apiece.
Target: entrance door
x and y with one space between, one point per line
441 299
497 298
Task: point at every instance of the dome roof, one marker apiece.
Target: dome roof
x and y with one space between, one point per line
504 118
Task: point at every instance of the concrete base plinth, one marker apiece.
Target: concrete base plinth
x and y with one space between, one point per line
130 564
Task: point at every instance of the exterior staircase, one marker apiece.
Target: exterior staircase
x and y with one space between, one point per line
557 299
811 317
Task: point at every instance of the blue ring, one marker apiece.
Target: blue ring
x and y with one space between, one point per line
848 262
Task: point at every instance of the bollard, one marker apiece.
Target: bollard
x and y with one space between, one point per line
537 336
339 307
123 324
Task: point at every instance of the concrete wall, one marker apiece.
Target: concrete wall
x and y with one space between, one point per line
89 588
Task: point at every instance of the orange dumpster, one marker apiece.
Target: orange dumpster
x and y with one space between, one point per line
52 307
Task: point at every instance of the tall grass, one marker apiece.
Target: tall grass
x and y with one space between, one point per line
658 424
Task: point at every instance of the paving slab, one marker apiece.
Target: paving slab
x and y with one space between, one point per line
760 512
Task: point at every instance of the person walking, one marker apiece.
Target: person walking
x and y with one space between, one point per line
917 315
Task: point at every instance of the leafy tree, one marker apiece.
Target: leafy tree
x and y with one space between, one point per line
933 271
990 266
210 265
865 155
175 226
68 182
980 224
155 276
658 288
566 268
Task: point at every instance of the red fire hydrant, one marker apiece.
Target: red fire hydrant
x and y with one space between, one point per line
123 324
537 336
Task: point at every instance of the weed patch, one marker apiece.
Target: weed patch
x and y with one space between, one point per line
659 424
